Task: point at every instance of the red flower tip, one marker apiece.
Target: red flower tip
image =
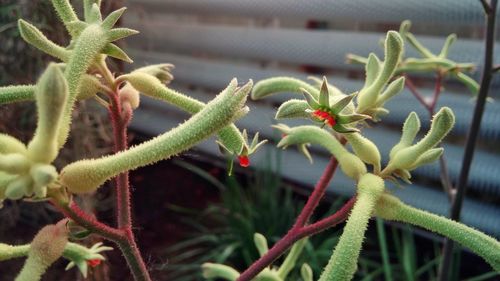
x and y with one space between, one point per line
283 135
325 116
244 161
94 262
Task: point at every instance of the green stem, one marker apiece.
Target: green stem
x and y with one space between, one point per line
134 260
11 94
343 262
384 250
291 258
391 208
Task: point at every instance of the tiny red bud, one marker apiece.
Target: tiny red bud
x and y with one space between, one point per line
244 161
94 262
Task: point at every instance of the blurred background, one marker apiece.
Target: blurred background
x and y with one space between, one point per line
212 41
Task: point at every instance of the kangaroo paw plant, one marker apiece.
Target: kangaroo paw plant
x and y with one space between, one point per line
27 171
339 120
81 72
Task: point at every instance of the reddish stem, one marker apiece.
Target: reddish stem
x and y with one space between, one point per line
317 194
119 124
298 230
437 92
74 212
293 236
413 89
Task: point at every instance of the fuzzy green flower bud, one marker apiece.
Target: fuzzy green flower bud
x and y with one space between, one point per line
19 187
393 47
87 175
394 88
306 272
9 144
293 109
161 71
441 124
260 243
411 127
213 270
276 85
51 94
14 163
428 157
65 11
365 149
372 69
35 37
89 87
87 47
230 137
47 246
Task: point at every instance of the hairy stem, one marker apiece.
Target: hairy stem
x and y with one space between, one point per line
485 246
344 260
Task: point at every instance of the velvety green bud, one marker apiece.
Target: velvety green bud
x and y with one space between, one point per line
372 69
93 15
276 85
87 47
87 175
260 243
19 187
306 272
14 163
393 48
160 71
88 8
51 94
365 149
394 88
293 109
352 166
89 87
47 246
35 37
428 157
9 144
411 127
212 270
64 11
442 123
43 174
230 137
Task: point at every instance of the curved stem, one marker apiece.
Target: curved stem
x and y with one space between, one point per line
485 246
74 212
134 259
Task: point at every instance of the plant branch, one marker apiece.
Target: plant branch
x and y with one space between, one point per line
293 235
74 212
472 135
413 89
